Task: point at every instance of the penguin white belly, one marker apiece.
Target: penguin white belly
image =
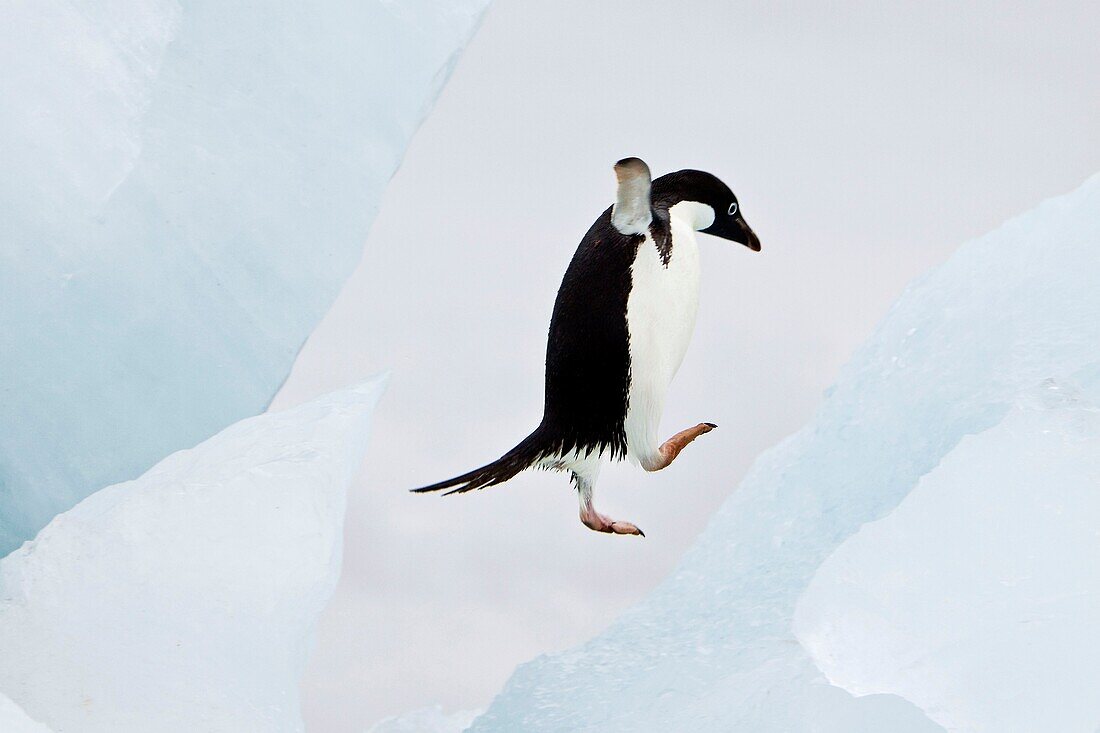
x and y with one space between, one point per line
660 316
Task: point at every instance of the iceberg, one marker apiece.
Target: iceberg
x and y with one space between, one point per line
426 720
939 384
186 185
14 720
185 600
978 598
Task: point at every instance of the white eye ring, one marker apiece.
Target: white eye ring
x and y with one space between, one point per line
733 208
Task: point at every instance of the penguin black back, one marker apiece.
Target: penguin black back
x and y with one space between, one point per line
587 362
587 353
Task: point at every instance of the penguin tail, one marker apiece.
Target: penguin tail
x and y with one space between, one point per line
525 455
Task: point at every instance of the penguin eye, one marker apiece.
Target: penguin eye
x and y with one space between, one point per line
733 208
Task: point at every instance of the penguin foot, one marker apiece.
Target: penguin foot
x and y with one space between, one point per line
672 447
599 523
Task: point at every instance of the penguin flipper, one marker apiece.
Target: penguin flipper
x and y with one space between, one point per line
632 212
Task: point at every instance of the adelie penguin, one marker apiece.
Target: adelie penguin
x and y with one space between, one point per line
622 321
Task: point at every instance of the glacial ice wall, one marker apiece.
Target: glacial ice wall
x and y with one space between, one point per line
185 600
426 720
978 598
14 720
185 186
712 648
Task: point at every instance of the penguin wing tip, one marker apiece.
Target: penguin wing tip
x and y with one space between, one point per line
632 166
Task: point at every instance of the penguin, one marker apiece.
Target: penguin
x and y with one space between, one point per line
621 323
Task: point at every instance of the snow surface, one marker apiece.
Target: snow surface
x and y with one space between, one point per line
14 720
713 648
978 598
426 720
185 186
186 600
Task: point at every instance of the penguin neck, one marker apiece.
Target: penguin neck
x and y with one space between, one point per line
696 215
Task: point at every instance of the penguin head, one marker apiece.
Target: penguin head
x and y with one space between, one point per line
706 203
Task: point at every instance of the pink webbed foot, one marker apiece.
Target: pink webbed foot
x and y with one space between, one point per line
672 447
598 522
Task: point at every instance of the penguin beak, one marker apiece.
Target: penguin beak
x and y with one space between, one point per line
747 236
737 230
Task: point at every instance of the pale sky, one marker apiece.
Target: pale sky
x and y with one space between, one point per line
865 142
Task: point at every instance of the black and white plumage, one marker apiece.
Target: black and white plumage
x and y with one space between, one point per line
622 322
